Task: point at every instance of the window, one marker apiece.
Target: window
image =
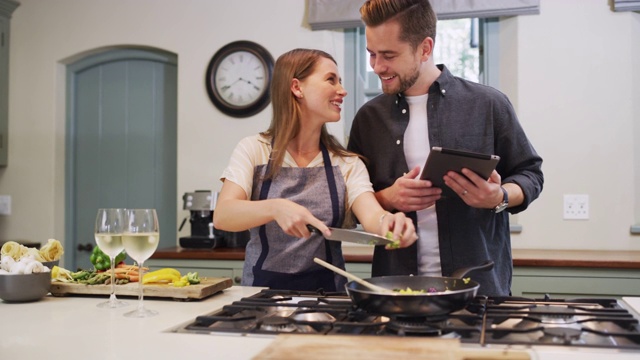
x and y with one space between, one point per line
468 47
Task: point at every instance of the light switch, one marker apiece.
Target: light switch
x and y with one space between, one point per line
5 204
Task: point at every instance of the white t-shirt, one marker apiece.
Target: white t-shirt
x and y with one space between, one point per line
254 150
416 150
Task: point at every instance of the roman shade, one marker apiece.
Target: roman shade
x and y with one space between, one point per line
626 5
345 14
7 7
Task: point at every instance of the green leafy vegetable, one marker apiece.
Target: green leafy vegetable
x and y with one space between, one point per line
101 261
193 278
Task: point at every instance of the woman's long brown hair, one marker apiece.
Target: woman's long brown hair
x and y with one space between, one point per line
285 123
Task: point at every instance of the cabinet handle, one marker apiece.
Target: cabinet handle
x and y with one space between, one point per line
86 247
237 280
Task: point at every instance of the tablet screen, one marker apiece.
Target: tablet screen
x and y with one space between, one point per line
442 160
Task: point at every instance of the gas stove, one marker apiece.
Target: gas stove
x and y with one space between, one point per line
600 323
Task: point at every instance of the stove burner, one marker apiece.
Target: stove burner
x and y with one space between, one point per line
552 314
276 324
563 334
407 326
549 310
308 303
313 316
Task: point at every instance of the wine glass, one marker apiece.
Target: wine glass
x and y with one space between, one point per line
140 239
108 235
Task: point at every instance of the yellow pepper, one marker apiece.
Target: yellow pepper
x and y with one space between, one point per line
183 281
55 272
166 275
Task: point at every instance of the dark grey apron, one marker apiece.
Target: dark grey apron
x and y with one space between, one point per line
279 261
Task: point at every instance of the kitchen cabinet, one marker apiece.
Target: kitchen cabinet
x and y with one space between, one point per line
6 9
567 282
231 268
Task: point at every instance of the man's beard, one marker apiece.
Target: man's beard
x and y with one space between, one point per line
405 83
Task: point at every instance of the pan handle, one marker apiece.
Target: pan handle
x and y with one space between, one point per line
460 273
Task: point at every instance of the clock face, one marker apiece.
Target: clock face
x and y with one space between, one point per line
238 78
241 77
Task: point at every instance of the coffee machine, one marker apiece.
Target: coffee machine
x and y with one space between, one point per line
201 205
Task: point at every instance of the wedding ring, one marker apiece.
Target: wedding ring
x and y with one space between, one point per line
464 193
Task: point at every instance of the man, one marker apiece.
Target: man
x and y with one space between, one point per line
424 105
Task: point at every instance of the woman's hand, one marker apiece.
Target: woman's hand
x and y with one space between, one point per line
234 212
293 219
401 226
375 219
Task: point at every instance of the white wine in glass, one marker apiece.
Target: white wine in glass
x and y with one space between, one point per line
140 239
108 235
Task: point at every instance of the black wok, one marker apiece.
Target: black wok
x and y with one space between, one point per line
451 293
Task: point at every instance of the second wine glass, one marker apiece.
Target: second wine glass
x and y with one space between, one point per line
140 239
108 235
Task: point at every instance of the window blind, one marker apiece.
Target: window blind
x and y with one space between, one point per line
345 14
626 5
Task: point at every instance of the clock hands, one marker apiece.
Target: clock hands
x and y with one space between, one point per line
226 87
250 83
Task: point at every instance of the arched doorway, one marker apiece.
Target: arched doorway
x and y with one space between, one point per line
121 142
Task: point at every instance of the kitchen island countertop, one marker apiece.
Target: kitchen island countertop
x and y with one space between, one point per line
521 257
74 328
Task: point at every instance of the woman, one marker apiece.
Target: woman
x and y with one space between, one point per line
295 174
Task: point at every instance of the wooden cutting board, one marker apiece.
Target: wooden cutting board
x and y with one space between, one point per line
368 347
207 287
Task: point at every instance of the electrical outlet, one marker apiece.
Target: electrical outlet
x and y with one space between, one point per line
5 205
576 207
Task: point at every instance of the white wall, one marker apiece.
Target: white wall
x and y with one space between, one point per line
569 72
574 88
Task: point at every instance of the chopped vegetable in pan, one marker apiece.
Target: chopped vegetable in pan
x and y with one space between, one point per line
410 291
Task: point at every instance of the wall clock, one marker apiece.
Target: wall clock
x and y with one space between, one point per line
238 78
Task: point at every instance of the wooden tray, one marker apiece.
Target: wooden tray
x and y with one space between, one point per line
207 287
369 347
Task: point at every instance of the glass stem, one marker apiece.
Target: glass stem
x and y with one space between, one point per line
112 297
140 272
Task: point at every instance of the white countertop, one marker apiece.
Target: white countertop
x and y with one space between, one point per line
74 328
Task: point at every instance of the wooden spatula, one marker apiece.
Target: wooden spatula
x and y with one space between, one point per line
350 276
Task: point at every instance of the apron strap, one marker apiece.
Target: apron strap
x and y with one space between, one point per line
333 189
264 192
333 192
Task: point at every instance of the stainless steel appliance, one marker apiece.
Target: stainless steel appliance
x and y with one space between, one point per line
201 205
582 323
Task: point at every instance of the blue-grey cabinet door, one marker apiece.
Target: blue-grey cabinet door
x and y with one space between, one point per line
121 143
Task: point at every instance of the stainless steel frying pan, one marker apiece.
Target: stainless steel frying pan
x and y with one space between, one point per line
443 295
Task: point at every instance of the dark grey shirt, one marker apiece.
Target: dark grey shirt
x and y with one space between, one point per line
461 115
